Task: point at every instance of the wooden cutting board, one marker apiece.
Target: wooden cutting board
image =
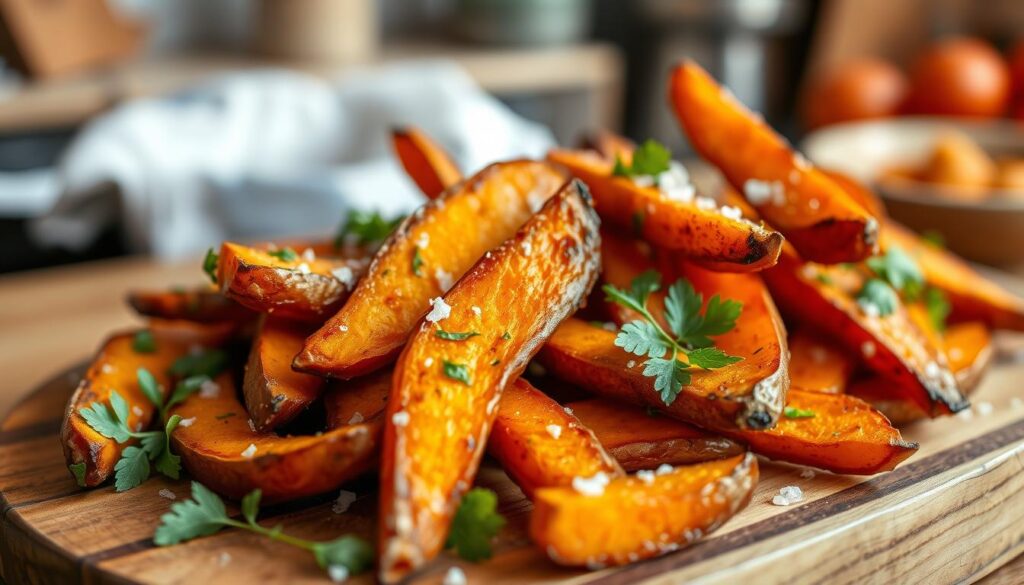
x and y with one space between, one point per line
953 512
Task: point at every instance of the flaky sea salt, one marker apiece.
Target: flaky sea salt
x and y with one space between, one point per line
167 494
400 418
356 418
209 389
646 476
439 310
454 576
591 486
337 573
788 495
249 452
555 431
444 279
344 275
187 422
663 469
343 502
985 408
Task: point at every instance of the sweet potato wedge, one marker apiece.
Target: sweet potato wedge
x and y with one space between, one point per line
420 261
306 289
274 392
358 400
113 368
823 297
817 364
747 394
972 296
638 440
859 192
426 163
634 518
540 444
202 305
220 450
448 382
810 209
704 234
610 145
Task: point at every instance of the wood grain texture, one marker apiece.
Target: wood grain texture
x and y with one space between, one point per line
953 513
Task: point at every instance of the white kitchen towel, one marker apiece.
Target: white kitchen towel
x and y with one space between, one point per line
266 154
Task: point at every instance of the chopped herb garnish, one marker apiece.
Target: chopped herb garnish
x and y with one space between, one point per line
824 278
495 362
877 296
475 525
792 412
650 158
934 238
453 336
506 336
144 342
691 331
366 228
285 254
938 307
456 372
210 264
898 269
205 514
207 363
417 262
78 470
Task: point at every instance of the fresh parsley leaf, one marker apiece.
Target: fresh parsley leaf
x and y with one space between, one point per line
898 269
285 254
152 443
104 422
506 336
456 372
366 228
710 358
453 336
78 470
824 278
167 463
642 338
206 363
149 387
670 375
693 329
475 524
877 296
131 469
120 407
251 505
650 158
210 264
203 515
934 238
351 552
186 388
937 306
417 262
792 412
640 290
143 342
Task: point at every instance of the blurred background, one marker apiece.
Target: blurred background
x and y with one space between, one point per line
165 126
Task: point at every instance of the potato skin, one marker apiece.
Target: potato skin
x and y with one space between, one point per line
274 393
634 520
815 215
199 305
731 245
448 235
445 393
426 163
534 457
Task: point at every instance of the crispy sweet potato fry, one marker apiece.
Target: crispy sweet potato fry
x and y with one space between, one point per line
972 296
707 235
222 452
638 440
610 146
636 519
859 192
420 261
358 400
113 368
274 392
427 164
814 213
817 364
747 394
823 297
445 391
201 305
539 444
302 288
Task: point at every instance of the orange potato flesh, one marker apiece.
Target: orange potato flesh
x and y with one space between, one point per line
300 289
274 392
817 364
972 296
823 297
426 163
753 390
859 192
358 400
746 394
200 305
633 519
611 146
450 234
702 234
220 450
812 211
438 420
638 440
114 368
540 444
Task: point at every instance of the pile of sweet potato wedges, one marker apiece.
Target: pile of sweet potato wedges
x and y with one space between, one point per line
405 357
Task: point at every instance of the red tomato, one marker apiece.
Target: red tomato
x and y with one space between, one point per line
960 77
862 89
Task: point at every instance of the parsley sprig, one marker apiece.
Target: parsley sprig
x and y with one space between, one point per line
894 275
475 524
285 254
650 158
794 412
366 227
205 514
210 264
689 334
